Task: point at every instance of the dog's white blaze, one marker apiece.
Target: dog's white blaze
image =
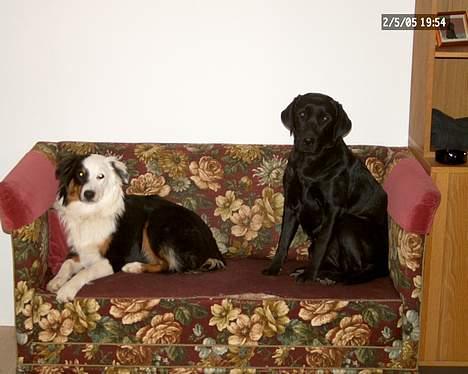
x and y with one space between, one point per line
101 176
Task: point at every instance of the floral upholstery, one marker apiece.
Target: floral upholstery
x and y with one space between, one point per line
237 190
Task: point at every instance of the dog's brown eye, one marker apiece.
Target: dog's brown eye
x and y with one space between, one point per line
325 118
100 176
302 114
81 174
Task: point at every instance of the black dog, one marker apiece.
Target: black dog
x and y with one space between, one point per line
333 196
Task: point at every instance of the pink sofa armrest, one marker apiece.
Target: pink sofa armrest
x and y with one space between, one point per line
413 197
27 191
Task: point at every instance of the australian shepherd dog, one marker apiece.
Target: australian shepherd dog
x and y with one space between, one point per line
109 232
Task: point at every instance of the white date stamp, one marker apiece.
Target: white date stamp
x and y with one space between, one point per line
413 22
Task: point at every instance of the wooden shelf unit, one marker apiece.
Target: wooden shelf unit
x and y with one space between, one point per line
440 80
452 52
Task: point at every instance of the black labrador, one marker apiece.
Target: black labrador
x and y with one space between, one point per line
333 196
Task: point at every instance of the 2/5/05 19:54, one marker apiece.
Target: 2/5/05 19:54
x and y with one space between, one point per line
413 22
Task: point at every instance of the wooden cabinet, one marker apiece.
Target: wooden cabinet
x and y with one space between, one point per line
440 80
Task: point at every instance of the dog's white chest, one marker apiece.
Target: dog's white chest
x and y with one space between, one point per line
87 233
91 232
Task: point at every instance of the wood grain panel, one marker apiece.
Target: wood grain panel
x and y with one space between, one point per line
421 83
448 5
454 301
451 86
432 276
453 51
436 167
444 312
455 367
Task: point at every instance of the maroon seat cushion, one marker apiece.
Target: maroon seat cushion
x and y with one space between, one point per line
129 304
242 276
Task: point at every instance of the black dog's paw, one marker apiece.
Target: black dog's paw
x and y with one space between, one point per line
297 272
302 275
272 270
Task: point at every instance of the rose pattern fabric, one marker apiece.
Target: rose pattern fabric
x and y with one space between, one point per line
273 316
351 331
164 329
149 184
237 191
324 357
410 250
84 314
132 310
206 173
245 330
56 326
321 313
223 314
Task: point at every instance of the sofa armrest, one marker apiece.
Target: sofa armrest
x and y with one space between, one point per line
413 199
30 245
27 191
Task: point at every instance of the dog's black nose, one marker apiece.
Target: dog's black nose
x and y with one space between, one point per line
89 195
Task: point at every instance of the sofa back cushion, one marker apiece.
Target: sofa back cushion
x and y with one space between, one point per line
236 189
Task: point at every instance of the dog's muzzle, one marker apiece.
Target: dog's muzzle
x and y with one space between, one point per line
308 143
89 195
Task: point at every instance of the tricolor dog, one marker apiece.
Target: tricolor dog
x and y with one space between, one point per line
108 232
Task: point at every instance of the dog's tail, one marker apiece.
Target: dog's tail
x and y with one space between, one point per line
213 264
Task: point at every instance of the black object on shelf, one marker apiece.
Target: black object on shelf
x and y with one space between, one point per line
449 136
448 132
450 156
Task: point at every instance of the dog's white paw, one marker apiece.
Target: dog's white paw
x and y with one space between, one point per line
133 267
326 281
55 284
66 293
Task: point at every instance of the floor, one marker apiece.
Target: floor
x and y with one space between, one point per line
8 354
7 350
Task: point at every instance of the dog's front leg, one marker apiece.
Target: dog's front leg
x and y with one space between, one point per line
289 228
319 250
97 270
69 268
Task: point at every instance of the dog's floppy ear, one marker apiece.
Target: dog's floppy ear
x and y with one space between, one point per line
64 173
120 169
343 123
287 115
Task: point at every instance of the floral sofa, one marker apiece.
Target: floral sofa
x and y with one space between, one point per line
230 321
